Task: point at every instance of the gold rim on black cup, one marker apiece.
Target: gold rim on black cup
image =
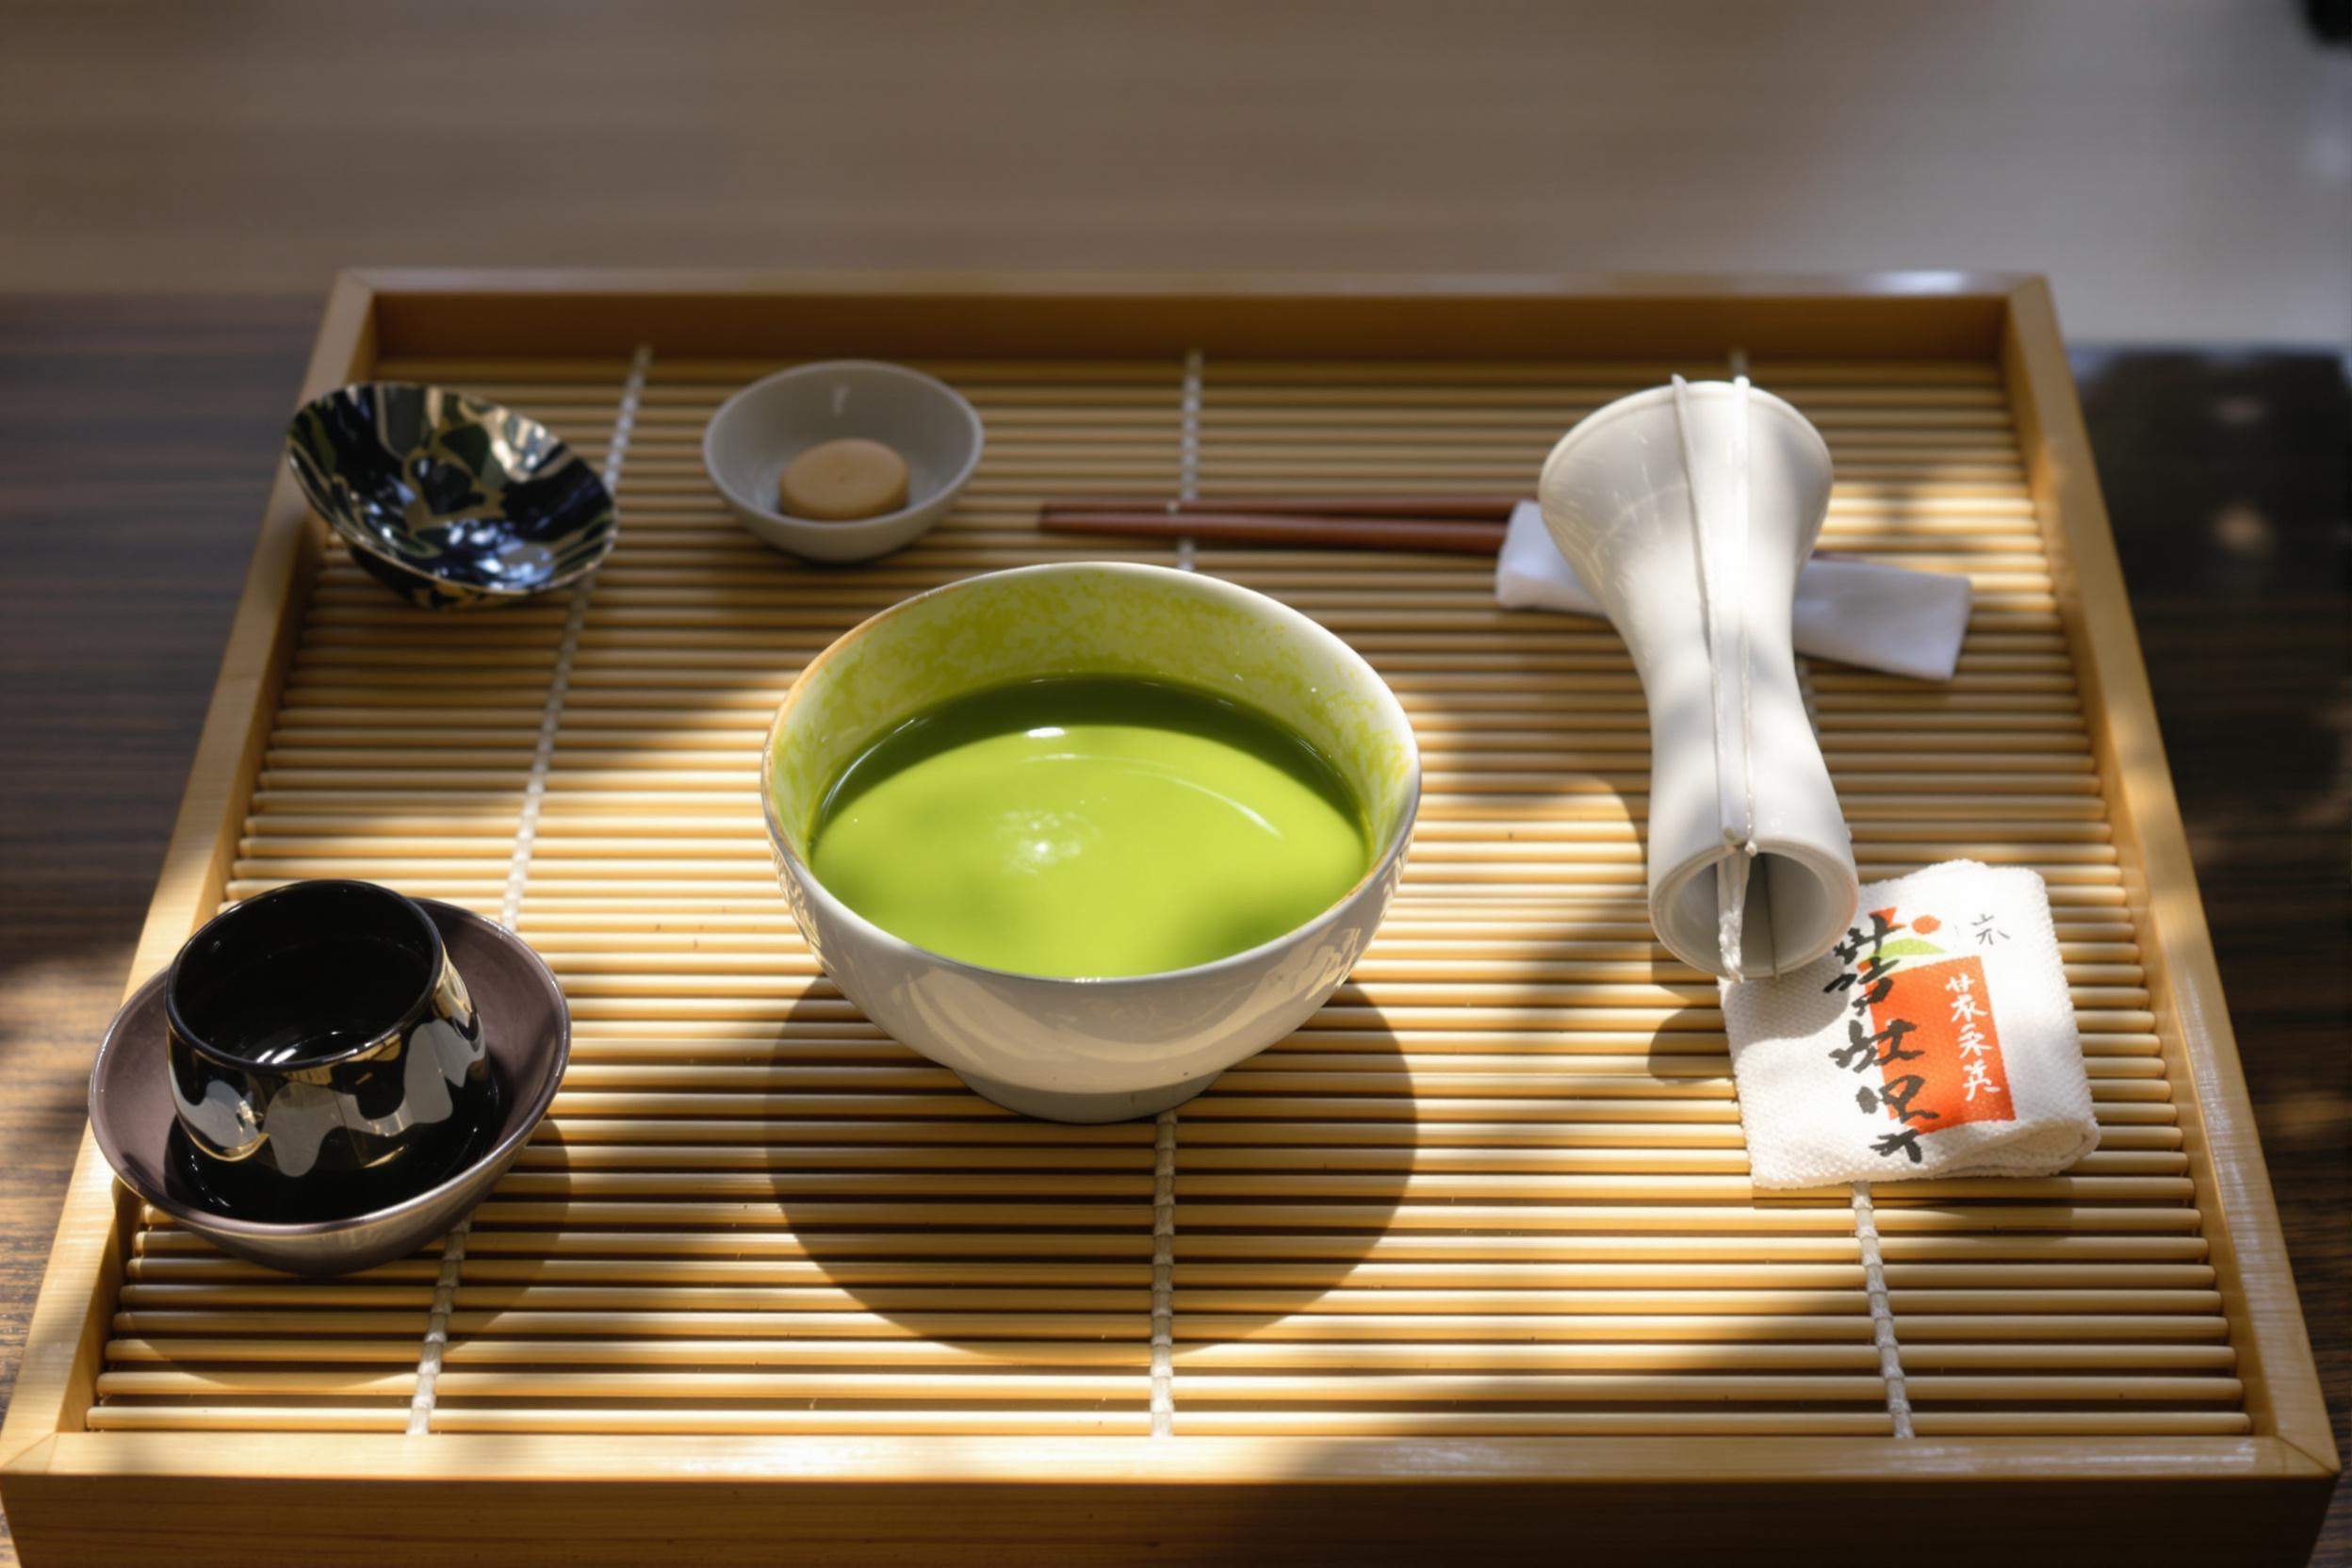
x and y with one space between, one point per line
320 1030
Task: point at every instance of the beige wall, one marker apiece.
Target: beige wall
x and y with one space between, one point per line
2182 168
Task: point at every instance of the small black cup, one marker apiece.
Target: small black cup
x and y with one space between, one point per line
320 1031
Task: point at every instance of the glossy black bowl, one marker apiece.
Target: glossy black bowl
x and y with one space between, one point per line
320 1031
450 501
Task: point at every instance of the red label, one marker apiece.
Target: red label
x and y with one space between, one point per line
1957 1045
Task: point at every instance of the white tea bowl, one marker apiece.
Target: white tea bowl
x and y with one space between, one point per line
1107 1049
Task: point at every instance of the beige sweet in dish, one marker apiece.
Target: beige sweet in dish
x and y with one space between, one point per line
843 481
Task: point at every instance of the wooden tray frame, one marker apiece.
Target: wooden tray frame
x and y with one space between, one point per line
77 1496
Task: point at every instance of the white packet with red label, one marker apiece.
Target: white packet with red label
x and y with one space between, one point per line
1939 1039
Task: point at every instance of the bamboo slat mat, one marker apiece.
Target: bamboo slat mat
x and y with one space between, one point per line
1496 1186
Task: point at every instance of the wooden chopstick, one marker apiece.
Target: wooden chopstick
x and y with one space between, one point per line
1494 509
1454 535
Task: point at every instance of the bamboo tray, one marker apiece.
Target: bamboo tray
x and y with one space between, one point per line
1471 1262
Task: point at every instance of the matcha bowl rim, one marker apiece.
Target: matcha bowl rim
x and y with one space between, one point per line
907 988
1386 846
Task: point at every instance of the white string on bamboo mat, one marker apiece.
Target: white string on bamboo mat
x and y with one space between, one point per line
1866 1220
551 716
1865 1212
1164 1142
437 1330
1882 1313
421 1403
1163 1276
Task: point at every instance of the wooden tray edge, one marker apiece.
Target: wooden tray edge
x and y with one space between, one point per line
495 1500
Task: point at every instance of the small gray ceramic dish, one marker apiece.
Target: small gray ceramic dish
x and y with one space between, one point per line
762 429
451 502
525 1028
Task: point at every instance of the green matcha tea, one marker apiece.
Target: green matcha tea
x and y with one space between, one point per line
1089 826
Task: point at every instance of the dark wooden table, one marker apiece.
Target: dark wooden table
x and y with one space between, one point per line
137 437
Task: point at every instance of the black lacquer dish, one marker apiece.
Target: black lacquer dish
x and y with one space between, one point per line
363 1217
450 501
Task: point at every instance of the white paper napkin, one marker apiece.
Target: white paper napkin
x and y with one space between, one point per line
1937 1039
1886 619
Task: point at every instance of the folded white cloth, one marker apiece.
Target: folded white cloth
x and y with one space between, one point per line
1937 1039
1889 618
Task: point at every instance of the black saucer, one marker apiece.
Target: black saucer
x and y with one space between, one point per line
353 1224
